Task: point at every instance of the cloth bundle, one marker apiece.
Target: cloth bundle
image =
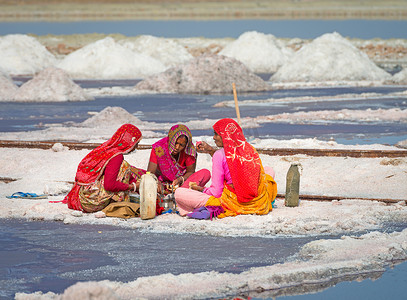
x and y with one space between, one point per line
122 210
206 212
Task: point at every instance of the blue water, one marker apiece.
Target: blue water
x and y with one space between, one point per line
182 108
390 285
51 256
306 29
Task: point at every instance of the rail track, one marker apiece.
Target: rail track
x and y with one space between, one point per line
267 151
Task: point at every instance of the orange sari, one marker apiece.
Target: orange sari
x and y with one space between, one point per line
254 190
261 205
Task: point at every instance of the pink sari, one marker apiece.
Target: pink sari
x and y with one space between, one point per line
170 169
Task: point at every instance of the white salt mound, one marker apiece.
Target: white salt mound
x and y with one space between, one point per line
261 53
167 51
111 116
23 55
203 75
51 84
400 77
329 58
106 59
7 88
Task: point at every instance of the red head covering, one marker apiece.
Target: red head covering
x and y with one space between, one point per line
92 166
242 159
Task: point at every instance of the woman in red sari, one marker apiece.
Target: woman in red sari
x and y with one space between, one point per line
239 183
103 175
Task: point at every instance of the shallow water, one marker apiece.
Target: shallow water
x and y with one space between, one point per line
181 108
306 29
389 285
50 256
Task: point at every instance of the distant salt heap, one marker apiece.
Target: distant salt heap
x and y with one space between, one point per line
329 58
203 75
400 77
106 59
51 84
167 51
23 55
261 53
7 88
111 116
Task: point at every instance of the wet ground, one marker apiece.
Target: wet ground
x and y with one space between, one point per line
173 108
50 256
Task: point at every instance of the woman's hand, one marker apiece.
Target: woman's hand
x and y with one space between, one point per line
204 147
179 181
133 186
160 187
196 187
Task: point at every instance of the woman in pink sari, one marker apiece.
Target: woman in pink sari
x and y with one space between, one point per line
173 159
240 184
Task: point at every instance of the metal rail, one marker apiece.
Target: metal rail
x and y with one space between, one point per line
272 151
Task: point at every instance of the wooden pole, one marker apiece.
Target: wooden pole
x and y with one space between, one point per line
236 103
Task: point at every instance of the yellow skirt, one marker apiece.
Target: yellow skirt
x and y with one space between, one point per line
261 205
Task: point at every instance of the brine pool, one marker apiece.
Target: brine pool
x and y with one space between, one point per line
174 108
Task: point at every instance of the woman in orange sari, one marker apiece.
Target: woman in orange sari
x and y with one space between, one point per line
245 187
103 175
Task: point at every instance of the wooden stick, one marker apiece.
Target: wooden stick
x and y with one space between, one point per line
236 103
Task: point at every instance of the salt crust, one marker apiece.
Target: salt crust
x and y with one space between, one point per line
317 261
51 171
100 127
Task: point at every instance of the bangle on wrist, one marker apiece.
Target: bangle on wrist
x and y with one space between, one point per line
135 187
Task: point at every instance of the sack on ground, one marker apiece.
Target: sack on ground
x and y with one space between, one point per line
122 209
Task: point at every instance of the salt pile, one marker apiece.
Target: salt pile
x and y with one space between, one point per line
400 77
23 55
106 59
343 115
203 75
261 53
111 116
167 51
51 85
329 58
7 88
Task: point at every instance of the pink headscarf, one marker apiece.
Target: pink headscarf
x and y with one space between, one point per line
170 169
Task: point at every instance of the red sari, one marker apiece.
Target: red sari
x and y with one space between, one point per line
92 167
253 190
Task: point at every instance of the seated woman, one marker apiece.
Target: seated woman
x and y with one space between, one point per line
173 159
239 182
103 175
